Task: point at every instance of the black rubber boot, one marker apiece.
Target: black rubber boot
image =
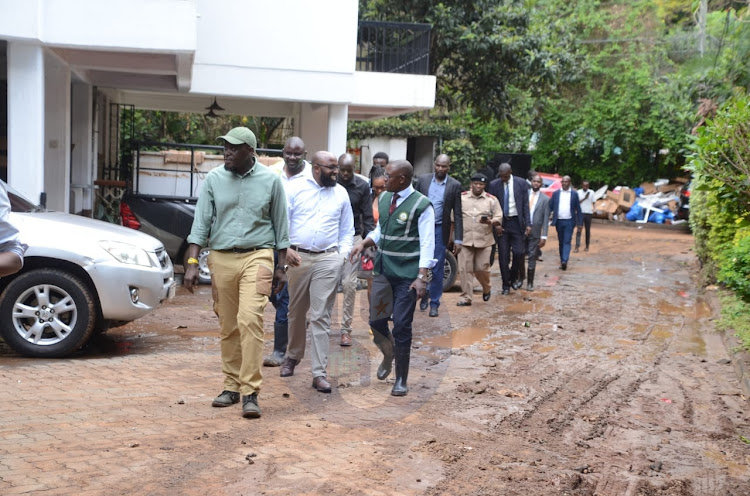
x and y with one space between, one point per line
402 355
280 340
385 345
530 280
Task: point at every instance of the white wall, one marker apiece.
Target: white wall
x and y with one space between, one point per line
313 127
379 89
82 153
394 147
152 25
286 35
26 119
56 133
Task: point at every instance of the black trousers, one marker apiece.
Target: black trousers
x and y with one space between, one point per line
587 228
513 240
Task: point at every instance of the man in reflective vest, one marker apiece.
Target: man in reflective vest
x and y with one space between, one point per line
405 237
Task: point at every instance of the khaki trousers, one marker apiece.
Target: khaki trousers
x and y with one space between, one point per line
243 284
473 261
349 291
313 286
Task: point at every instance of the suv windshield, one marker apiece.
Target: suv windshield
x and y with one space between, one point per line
18 203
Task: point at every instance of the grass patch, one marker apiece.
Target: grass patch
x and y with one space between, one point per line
735 316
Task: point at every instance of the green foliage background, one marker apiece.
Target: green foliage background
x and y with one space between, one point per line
720 208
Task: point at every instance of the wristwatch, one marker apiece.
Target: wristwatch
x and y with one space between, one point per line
421 277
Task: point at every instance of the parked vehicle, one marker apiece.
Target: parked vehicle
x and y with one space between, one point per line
80 276
550 183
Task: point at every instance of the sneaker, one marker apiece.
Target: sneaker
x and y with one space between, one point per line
250 408
226 398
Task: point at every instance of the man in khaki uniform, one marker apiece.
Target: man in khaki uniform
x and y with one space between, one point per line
481 214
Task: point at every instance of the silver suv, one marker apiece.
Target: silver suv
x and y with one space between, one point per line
79 276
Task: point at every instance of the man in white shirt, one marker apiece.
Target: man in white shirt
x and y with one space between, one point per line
292 167
321 228
405 236
566 214
586 198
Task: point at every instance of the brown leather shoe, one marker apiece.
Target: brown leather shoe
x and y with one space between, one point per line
321 384
346 339
287 367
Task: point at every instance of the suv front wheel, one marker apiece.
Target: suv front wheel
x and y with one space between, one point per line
46 313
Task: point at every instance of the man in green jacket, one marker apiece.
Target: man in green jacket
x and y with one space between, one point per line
405 236
241 216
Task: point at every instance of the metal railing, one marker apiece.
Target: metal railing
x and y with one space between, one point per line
139 146
398 47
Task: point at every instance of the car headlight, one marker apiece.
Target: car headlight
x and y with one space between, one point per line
126 253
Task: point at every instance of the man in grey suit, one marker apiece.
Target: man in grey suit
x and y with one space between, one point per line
444 193
539 208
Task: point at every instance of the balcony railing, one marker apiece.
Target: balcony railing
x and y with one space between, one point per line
398 47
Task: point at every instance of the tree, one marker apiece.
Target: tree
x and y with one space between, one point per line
480 50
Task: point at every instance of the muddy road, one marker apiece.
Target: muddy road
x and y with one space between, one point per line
609 379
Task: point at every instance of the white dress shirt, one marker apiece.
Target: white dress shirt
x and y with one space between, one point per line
563 209
319 218
426 227
512 210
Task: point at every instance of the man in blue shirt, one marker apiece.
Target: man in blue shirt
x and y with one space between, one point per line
444 193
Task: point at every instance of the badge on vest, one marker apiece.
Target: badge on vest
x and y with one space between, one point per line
402 217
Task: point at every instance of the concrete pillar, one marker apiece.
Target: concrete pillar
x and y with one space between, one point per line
26 119
57 134
82 144
338 115
313 127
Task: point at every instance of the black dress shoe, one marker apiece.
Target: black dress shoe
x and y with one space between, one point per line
564 266
516 284
506 291
463 304
433 311
423 303
486 296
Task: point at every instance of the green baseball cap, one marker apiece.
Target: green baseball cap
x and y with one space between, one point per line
240 135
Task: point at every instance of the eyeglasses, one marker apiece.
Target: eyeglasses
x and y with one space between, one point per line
333 168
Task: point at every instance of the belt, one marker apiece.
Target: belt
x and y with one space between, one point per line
312 252
240 250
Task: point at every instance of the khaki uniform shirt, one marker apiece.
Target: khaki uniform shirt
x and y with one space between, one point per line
473 207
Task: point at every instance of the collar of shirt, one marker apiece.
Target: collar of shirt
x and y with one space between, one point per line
510 181
404 194
435 180
251 169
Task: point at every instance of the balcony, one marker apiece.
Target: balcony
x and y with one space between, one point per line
393 47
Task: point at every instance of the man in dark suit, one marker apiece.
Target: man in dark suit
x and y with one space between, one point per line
513 195
539 208
445 194
566 214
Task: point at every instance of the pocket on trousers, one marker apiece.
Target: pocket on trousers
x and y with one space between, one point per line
264 280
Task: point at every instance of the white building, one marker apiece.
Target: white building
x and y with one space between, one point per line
64 63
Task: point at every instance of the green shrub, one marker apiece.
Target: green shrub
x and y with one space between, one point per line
734 264
465 159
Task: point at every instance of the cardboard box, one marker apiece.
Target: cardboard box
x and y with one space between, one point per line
648 188
668 188
604 208
612 196
627 198
673 206
681 180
